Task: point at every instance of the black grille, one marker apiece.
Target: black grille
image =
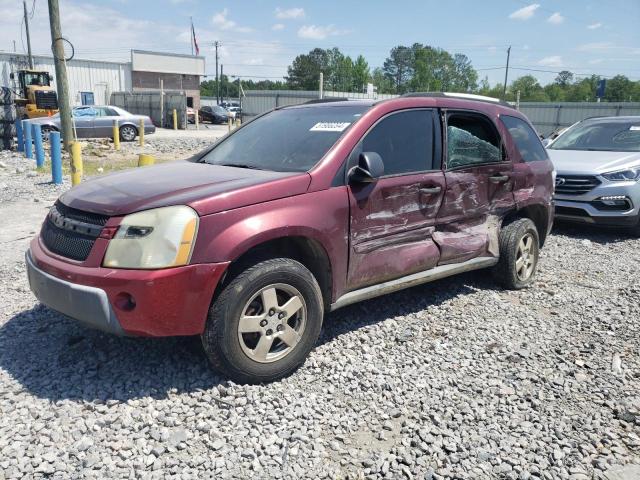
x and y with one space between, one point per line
68 238
575 184
81 216
571 211
46 99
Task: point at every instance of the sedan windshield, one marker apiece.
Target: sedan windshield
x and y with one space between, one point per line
615 136
287 140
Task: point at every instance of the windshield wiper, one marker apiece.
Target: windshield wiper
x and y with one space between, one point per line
239 165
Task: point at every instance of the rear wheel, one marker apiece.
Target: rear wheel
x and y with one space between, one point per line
128 133
265 322
519 252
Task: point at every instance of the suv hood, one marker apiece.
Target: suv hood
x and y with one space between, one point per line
206 188
592 162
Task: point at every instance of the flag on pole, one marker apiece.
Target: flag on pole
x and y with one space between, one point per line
193 37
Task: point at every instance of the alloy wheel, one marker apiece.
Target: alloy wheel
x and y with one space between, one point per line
525 257
128 133
272 323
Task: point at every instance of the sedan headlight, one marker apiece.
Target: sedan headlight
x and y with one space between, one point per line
157 238
631 174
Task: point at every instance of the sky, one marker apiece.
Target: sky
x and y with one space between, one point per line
259 39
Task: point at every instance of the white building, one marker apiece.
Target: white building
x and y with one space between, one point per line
98 79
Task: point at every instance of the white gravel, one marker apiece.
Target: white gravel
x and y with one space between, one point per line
456 379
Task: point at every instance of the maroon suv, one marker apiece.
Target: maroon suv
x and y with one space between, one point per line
301 211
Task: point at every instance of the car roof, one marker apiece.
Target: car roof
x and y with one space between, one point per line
623 119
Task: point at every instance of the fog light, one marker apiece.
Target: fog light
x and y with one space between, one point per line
125 301
614 200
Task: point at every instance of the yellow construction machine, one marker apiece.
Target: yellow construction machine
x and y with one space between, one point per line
36 97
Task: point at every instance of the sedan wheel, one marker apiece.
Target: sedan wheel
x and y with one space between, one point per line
128 133
525 257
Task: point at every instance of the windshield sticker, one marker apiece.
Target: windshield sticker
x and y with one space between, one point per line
329 126
634 128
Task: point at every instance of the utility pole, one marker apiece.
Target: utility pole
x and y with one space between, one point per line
26 26
221 77
506 75
217 82
57 47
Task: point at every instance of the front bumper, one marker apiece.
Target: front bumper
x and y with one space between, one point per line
587 208
167 302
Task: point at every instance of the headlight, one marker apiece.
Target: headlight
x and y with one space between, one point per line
630 174
158 238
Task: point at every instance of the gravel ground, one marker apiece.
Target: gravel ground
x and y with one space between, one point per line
456 379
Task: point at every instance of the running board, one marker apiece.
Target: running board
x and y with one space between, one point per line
412 280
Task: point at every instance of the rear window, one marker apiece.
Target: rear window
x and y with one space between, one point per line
526 139
614 136
287 140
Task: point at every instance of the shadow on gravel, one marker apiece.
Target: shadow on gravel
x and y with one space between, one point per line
596 234
402 303
55 358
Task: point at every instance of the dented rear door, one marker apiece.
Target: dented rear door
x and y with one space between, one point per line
479 187
393 219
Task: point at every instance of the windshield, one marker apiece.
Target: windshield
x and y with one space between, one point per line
615 136
219 109
287 140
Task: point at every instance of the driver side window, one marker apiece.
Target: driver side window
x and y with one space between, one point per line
404 140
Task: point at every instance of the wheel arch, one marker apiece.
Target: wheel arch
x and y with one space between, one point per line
308 251
538 214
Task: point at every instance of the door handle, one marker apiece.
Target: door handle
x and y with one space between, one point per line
430 190
499 178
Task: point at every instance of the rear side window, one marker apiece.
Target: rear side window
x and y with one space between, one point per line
471 140
404 140
526 139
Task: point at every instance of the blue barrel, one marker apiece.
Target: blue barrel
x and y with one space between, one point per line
19 135
56 158
37 140
28 145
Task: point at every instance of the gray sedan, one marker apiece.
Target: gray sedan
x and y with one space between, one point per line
96 121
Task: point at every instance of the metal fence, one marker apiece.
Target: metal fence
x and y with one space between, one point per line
547 117
148 103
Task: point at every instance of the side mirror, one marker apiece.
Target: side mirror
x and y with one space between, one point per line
369 169
546 142
12 76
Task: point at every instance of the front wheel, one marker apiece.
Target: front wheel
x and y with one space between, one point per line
128 133
519 252
265 322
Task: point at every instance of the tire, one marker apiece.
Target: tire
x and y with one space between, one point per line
128 133
7 129
513 248
237 355
6 96
46 130
7 113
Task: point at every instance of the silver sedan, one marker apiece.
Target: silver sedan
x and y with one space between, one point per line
96 121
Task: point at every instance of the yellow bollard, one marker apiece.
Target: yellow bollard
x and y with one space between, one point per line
76 163
175 119
145 160
237 122
197 120
141 132
116 135
229 123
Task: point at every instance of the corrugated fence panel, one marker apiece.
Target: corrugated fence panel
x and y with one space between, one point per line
148 103
547 117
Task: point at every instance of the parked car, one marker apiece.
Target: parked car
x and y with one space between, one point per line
214 114
96 121
598 170
301 211
234 112
191 115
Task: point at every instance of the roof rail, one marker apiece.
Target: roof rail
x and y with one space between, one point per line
465 96
327 100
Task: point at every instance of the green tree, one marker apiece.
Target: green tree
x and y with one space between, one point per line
382 82
361 74
304 72
564 78
398 67
530 90
619 89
